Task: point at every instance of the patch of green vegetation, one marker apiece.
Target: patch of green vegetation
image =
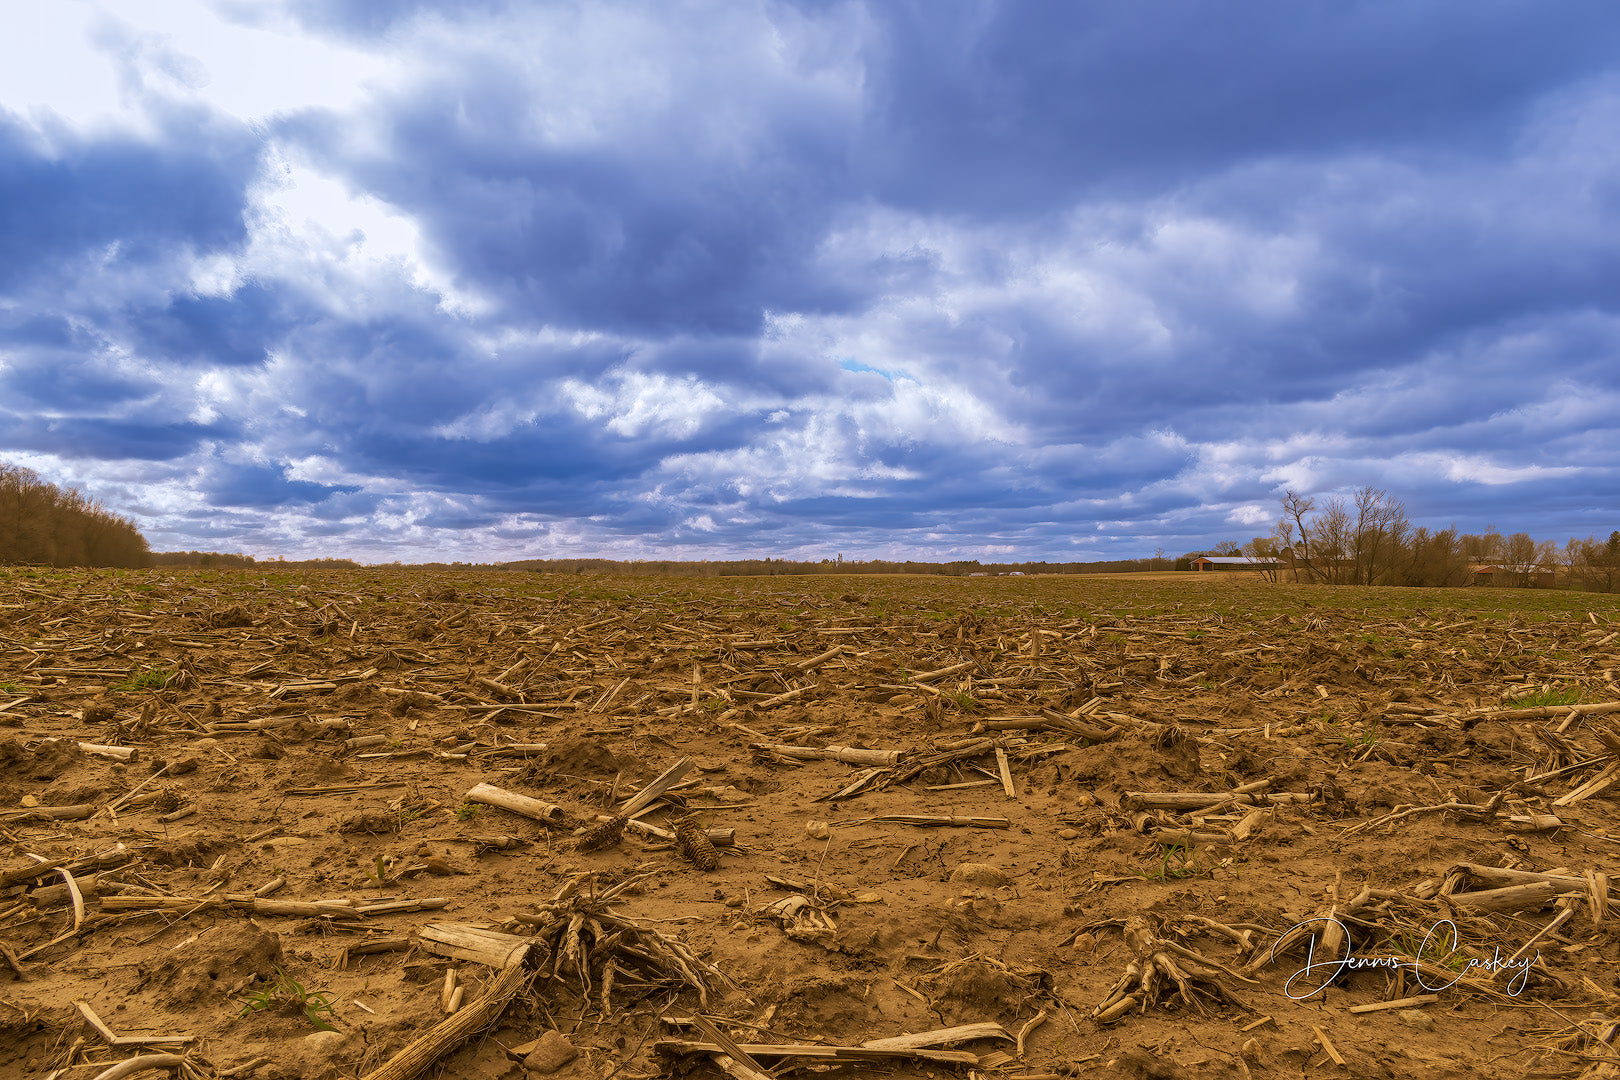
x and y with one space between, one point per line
1548 697
1180 861
467 811
715 703
964 701
150 679
10 688
1367 739
1438 947
286 995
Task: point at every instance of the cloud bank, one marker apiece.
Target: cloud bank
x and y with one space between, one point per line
481 281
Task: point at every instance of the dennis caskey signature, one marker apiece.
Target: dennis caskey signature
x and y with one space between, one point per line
1318 972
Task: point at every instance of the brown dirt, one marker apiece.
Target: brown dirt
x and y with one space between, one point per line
243 693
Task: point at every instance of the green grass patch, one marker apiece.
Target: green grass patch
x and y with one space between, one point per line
150 679
1547 697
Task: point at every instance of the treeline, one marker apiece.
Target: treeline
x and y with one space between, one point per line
44 525
1368 539
840 565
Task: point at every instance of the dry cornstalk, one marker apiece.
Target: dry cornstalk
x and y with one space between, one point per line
466 1022
816 661
784 698
1499 876
1485 809
1399 1003
1599 783
1530 896
1204 800
850 755
936 821
116 753
656 787
140 1063
77 812
933 676
543 812
1542 712
594 945
820 1052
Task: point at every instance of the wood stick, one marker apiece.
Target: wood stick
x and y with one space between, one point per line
461 1025
543 812
656 787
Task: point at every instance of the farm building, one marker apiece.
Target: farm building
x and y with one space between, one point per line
1507 577
1232 562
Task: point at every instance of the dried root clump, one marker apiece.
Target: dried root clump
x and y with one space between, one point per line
1165 972
602 951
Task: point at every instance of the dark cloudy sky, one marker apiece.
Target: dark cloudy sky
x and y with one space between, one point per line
469 279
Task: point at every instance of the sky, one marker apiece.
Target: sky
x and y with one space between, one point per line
935 279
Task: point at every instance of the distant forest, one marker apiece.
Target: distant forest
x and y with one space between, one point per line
44 525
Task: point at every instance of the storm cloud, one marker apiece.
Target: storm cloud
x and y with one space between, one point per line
432 280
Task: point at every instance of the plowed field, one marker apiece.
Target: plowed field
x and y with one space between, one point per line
295 824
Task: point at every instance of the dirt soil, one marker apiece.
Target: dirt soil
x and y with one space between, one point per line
1142 828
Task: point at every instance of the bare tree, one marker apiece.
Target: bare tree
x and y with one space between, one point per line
1380 528
1333 543
1519 559
1294 508
1596 563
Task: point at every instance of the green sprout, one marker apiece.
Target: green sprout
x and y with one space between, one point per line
287 995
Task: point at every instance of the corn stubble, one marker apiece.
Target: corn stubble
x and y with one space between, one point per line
693 842
603 834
